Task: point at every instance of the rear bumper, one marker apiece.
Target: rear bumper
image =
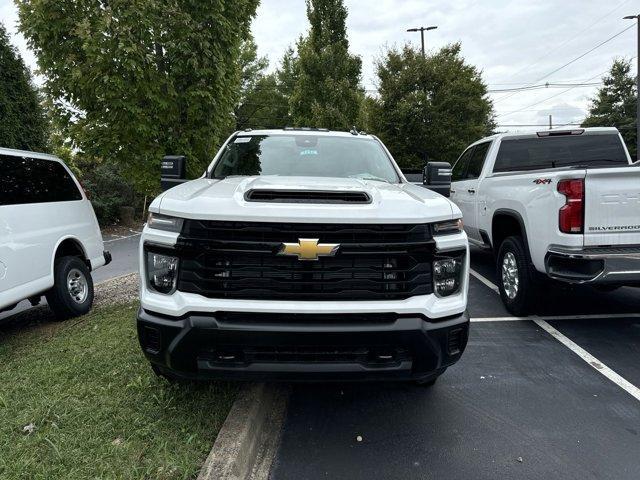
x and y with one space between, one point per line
298 347
595 265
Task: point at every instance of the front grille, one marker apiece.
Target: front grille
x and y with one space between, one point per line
239 260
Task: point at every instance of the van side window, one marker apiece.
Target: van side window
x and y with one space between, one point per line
460 168
33 180
477 160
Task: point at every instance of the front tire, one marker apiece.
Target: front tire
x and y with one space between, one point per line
72 291
516 278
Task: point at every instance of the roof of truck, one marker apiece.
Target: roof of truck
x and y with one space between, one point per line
541 133
304 131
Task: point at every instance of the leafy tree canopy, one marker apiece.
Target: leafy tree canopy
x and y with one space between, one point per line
134 80
23 124
326 92
263 103
429 107
615 104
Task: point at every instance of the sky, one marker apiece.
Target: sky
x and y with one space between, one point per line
513 43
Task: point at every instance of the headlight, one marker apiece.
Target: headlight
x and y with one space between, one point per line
162 272
450 226
164 222
447 275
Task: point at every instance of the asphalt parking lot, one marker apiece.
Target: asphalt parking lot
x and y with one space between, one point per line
522 403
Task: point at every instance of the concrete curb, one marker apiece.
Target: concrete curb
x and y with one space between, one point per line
248 440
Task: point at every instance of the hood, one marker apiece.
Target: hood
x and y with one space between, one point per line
210 199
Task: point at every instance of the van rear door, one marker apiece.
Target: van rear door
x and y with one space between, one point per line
612 206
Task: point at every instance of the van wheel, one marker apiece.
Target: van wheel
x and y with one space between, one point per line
72 291
516 278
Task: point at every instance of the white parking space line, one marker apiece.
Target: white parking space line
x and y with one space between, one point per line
567 342
590 359
484 280
603 316
122 238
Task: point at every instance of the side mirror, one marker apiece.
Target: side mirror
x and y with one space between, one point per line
437 177
172 171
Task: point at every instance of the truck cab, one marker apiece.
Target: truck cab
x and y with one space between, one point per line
303 254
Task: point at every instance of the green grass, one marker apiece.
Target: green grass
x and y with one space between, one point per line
98 410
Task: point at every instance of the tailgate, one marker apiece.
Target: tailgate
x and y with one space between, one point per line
612 206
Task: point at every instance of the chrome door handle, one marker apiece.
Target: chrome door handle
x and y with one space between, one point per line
452 191
471 191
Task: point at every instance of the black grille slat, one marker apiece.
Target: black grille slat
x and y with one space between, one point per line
261 233
374 262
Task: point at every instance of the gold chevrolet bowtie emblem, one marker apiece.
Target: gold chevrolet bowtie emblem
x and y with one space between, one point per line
309 249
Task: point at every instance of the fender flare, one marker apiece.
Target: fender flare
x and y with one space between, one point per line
59 242
518 218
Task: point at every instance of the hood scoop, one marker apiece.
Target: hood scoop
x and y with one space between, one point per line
306 196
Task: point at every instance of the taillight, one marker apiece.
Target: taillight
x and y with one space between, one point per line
572 213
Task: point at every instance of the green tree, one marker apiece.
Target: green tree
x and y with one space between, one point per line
23 124
429 107
134 80
262 102
287 74
327 92
615 104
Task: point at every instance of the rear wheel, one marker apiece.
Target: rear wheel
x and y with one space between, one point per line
516 277
72 291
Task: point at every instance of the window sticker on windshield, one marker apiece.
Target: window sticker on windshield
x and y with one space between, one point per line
242 140
308 151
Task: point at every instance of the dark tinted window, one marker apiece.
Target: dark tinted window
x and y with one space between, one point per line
477 160
30 180
561 151
460 168
306 155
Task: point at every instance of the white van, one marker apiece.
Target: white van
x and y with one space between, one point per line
50 240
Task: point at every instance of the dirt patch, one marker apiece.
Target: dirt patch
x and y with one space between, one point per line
113 232
117 291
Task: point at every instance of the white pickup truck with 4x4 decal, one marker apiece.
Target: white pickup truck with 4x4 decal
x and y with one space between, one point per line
561 205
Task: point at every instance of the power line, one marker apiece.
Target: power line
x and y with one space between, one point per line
543 86
571 61
552 96
558 47
545 99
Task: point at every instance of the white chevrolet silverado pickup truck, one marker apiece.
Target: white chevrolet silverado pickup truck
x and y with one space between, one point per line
302 254
561 205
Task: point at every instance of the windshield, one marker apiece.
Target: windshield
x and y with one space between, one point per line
306 155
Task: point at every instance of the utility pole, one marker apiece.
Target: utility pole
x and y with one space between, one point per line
637 18
421 30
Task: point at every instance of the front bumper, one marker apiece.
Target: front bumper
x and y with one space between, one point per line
595 265
251 346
